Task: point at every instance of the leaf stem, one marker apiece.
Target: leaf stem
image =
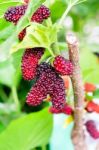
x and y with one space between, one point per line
65 14
51 52
15 97
55 48
70 5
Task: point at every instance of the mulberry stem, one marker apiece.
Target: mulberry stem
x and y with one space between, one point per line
15 97
65 14
77 83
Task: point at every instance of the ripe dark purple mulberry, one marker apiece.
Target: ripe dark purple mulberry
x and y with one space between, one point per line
13 14
54 84
58 94
30 61
91 128
63 66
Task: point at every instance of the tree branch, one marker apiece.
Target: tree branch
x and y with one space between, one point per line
77 83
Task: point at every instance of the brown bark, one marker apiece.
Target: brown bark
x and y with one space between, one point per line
77 83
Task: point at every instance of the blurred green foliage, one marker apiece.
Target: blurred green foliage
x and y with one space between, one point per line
10 68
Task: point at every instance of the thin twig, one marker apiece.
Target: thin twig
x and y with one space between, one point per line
77 83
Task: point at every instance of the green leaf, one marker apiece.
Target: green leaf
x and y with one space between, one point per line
16 61
38 35
92 77
89 66
10 70
24 21
7 73
6 32
57 5
96 93
87 60
89 97
4 23
27 132
2 127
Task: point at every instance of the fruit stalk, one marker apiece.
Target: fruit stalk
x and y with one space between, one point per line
77 83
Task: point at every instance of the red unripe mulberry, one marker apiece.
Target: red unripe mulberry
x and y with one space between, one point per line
66 110
37 94
63 66
30 61
22 34
42 13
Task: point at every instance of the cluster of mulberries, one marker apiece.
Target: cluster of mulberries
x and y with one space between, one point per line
91 128
48 82
14 14
48 79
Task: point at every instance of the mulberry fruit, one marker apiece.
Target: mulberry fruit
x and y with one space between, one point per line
47 75
22 34
37 94
30 61
47 68
58 93
54 84
13 14
42 13
54 110
91 128
48 82
66 110
37 18
63 66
